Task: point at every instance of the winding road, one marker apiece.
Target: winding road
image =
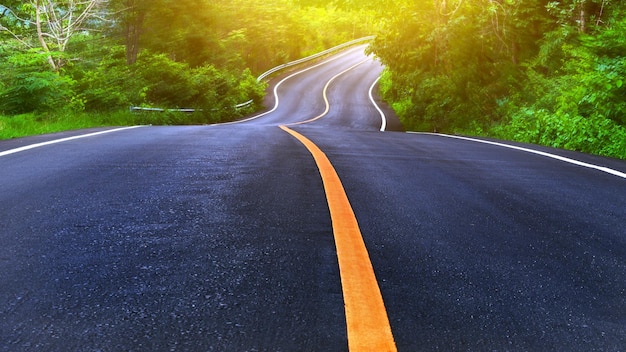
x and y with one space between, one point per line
307 228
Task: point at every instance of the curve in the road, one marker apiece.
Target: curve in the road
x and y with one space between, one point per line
383 118
325 94
275 90
367 322
211 238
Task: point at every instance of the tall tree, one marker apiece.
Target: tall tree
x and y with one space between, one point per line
56 22
134 16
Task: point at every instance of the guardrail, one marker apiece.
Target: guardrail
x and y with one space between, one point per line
267 74
139 108
313 57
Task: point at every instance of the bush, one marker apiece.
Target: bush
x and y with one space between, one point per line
595 134
109 84
157 81
30 86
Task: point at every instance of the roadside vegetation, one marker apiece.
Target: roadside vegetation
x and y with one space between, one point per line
547 72
73 64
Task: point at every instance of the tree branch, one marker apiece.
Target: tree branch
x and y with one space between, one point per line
22 41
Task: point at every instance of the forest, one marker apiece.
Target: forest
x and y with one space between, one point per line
546 72
81 63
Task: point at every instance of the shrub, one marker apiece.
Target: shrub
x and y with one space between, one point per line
29 86
595 134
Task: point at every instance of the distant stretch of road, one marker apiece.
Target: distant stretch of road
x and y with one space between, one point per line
317 225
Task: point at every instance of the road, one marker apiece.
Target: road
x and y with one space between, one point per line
219 238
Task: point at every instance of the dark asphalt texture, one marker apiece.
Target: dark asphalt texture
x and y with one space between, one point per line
218 238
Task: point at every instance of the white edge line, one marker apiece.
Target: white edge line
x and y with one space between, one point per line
37 145
527 150
383 125
276 103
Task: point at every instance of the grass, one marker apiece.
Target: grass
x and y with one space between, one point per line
35 124
32 124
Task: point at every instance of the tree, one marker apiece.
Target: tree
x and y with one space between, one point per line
55 23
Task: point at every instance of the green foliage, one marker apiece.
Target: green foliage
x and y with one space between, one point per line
543 72
108 84
28 86
591 135
451 62
551 74
37 123
156 80
237 34
573 96
163 53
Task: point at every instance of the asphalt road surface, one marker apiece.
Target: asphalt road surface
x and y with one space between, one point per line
219 238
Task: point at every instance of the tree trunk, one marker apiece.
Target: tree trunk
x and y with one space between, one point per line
133 33
582 21
40 36
133 30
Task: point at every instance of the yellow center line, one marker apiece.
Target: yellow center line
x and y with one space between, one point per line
366 316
